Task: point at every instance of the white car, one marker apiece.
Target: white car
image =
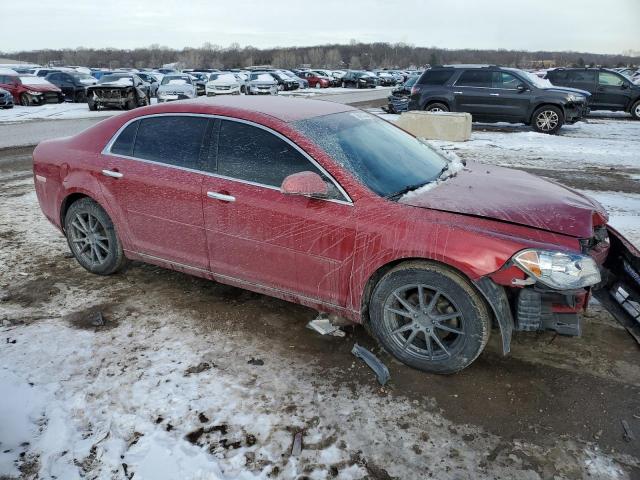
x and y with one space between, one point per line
223 83
176 87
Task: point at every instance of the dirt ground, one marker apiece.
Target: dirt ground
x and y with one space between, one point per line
532 414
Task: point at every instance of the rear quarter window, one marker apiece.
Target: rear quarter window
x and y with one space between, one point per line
124 143
435 77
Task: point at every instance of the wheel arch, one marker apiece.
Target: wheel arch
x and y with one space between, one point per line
69 200
437 100
493 295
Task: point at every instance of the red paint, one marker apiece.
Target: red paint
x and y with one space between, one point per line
307 250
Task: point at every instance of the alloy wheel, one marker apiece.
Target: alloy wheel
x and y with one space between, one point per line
424 321
637 110
436 109
89 238
547 120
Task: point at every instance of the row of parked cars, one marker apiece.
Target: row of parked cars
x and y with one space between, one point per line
492 93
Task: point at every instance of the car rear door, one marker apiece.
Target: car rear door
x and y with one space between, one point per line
150 176
474 93
612 92
258 235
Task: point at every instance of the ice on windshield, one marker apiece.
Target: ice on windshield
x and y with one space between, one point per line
226 77
262 77
34 81
536 80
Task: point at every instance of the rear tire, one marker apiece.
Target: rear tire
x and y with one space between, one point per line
436 107
635 110
429 317
92 238
547 119
93 106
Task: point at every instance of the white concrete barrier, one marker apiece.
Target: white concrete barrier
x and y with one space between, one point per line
452 126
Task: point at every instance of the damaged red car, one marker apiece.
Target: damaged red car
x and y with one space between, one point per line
328 206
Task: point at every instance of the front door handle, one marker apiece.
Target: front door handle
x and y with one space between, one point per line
221 196
112 173
457 93
494 94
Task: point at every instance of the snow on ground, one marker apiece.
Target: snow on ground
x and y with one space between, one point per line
624 211
314 92
53 111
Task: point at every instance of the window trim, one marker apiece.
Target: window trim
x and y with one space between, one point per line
107 151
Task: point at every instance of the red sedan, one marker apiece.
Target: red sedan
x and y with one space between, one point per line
315 80
331 207
30 90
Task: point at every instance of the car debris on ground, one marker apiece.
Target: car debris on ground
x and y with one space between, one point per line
323 325
379 368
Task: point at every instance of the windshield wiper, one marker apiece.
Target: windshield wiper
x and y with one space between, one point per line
408 188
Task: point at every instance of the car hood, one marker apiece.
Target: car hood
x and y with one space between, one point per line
40 87
222 83
177 87
568 90
513 196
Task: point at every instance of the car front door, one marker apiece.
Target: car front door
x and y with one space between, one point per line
514 96
258 235
150 176
613 91
474 93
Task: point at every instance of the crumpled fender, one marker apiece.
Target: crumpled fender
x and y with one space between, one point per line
496 297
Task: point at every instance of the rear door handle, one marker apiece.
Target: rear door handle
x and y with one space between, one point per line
458 93
221 196
113 174
494 94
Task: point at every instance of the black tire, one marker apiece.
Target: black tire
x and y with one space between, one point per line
24 100
635 110
436 107
547 119
130 103
87 225
79 97
93 106
411 338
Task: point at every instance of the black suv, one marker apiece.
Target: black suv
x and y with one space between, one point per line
498 94
609 90
359 79
73 84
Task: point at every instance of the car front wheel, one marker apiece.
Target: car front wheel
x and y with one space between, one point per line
437 107
92 238
635 110
24 100
429 317
547 119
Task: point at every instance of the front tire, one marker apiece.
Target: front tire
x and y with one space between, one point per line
24 100
547 119
92 238
429 317
437 107
635 110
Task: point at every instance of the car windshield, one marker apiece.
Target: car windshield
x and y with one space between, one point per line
262 77
226 77
28 80
175 80
124 79
382 156
411 81
83 76
536 80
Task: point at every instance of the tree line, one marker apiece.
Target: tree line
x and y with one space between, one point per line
354 55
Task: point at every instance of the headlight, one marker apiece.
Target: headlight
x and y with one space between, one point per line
575 98
30 92
559 269
160 94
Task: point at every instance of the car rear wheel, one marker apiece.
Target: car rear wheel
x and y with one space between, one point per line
437 107
547 119
24 100
635 110
92 238
93 106
429 317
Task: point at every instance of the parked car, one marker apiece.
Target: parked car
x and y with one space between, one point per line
498 94
386 79
429 270
359 79
200 80
121 90
176 86
262 84
73 84
284 81
151 80
43 72
6 99
609 90
399 98
328 74
315 79
30 90
302 83
224 83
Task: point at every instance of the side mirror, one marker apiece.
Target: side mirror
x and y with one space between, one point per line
522 87
309 184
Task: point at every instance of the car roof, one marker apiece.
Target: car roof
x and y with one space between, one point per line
281 108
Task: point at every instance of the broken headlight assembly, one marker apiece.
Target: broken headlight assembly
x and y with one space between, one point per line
559 270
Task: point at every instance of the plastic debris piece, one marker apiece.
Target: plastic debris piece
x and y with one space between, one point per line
296 448
628 433
323 326
379 368
256 361
96 319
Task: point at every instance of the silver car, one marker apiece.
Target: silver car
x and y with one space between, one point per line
176 87
262 84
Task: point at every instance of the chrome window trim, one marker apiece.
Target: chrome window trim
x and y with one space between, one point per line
456 84
107 151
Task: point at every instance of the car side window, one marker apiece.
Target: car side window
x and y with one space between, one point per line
171 139
250 153
610 79
581 76
124 143
475 78
506 81
436 77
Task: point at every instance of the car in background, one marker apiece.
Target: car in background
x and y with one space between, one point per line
398 101
6 99
262 83
176 86
120 90
223 83
498 94
200 80
609 90
328 206
302 83
151 80
386 79
285 82
98 74
328 74
359 79
73 84
30 90
315 79
43 72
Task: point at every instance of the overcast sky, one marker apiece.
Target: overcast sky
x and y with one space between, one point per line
601 26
